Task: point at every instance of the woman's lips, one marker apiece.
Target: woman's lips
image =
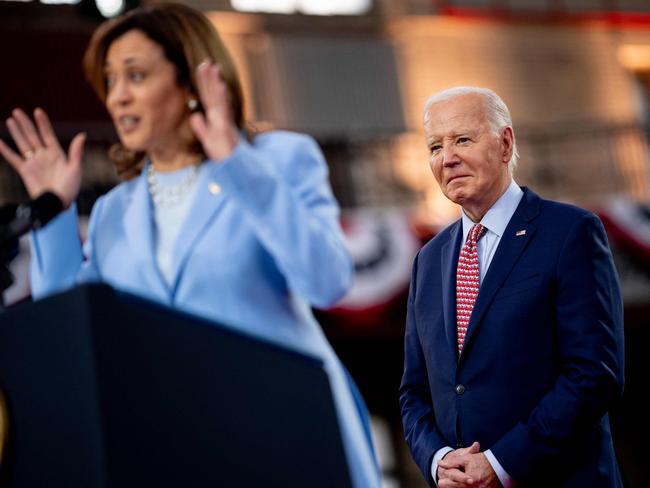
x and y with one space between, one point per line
127 123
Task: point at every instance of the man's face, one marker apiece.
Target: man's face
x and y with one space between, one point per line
469 161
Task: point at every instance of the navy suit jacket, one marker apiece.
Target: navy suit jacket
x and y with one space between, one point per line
543 356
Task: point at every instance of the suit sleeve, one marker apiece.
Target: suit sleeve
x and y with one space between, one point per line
283 188
57 261
589 327
418 417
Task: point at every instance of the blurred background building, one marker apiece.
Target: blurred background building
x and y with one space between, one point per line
355 75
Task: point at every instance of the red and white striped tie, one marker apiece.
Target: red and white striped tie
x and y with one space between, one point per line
467 282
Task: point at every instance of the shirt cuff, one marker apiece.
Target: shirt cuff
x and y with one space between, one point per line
504 477
440 453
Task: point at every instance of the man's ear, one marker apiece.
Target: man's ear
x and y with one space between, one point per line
507 143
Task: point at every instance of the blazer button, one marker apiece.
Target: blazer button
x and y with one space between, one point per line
460 389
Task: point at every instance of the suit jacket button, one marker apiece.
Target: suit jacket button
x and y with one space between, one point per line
460 389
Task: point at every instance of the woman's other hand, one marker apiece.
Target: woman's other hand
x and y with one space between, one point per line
214 128
42 164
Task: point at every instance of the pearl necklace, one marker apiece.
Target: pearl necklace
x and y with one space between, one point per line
173 194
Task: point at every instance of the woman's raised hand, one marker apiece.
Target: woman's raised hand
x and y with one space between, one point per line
215 128
42 164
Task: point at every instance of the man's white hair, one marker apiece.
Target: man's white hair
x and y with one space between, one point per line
496 111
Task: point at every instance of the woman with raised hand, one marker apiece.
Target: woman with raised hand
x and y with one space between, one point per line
210 218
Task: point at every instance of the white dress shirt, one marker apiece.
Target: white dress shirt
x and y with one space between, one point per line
495 221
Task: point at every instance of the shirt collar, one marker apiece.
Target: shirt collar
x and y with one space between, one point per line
497 217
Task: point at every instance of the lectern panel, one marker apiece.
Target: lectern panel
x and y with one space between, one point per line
108 390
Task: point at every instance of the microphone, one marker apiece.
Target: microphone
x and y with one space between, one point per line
32 215
16 220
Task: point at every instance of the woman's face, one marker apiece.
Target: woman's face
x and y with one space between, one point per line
148 107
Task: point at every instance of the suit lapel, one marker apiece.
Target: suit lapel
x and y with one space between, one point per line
510 248
208 200
448 262
139 227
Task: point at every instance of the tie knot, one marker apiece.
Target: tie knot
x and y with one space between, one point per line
475 233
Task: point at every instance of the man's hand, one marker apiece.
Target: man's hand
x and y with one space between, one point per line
466 467
451 468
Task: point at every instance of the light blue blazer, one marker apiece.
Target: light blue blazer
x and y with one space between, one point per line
260 245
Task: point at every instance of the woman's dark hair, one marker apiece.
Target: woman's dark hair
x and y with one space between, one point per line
187 38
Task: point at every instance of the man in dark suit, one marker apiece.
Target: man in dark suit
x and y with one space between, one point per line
514 335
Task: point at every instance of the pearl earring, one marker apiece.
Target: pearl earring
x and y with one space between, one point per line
192 104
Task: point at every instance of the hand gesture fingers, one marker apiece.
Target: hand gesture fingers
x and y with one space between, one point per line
75 151
28 130
28 138
10 155
458 457
473 449
45 129
16 130
452 478
214 128
213 98
44 166
212 89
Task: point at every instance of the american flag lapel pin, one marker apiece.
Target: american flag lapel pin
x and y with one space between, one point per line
520 233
